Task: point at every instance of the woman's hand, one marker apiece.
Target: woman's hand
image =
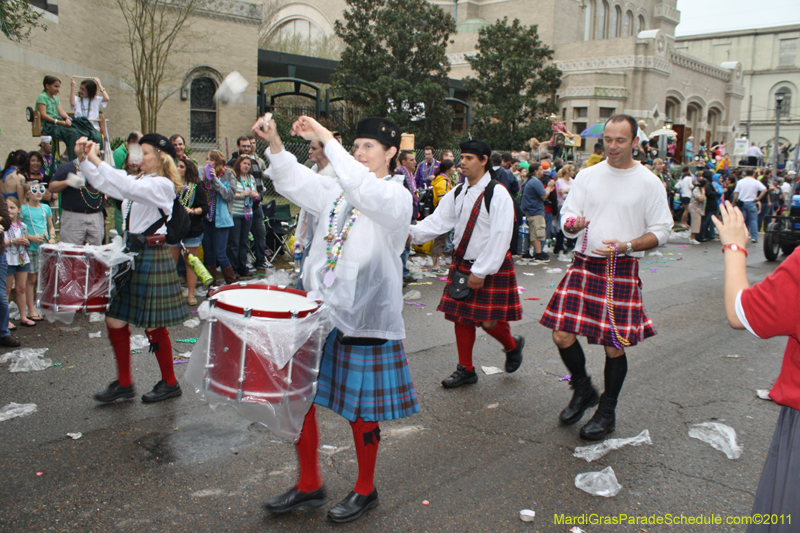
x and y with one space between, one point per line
21 241
67 122
311 130
38 239
731 229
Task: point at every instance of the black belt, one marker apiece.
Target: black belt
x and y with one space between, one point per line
358 341
83 212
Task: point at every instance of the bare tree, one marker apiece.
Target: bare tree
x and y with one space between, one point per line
153 26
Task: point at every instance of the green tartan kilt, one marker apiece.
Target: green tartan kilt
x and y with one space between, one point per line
153 296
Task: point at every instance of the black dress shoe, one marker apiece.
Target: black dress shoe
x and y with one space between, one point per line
162 392
293 498
353 506
584 396
461 376
114 392
514 357
603 422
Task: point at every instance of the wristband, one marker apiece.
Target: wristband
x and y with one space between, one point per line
735 248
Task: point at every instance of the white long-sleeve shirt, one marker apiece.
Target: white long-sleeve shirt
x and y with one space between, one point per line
491 236
619 204
148 194
367 297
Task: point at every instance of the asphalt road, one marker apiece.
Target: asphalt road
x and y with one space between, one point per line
478 454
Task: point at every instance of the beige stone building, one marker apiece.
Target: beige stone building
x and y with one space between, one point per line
86 38
770 62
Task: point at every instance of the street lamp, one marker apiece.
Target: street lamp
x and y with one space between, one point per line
779 96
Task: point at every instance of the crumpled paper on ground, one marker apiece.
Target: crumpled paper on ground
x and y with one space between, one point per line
603 483
491 370
412 295
679 236
26 359
596 451
192 322
138 342
96 317
14 410
719 436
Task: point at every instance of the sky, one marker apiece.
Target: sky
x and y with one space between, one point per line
709 16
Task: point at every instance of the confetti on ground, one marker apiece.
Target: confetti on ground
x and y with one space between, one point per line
136 351
425 502
533 298
418 304
521 289
56 364
443 278
191 341
664 261
529 273
74 436
683 246
734 356
763 394
566 378
653 270
194 311
39 473
422 283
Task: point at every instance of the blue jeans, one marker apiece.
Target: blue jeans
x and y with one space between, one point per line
766 210
259 230
750 212
3 299
404 260
548 221
215 241
238 244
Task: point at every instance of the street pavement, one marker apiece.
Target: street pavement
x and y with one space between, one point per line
478 454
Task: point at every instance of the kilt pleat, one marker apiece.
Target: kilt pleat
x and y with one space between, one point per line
152 298
579 304
498 299
369 382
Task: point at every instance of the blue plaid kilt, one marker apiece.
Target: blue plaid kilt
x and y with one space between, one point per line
498 299
370 382
579 303
152 298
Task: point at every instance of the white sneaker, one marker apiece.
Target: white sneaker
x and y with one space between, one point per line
692 241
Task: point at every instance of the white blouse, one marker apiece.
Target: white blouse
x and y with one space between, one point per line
83 107
148 194
491 237
367 296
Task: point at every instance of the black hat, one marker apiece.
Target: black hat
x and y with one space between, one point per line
159 142
476 147
380 129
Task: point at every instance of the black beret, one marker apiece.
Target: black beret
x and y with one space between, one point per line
380 129
159 142
475 147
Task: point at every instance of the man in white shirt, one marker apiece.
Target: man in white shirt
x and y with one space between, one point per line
619 210
754 153
686 184
482 234
750 191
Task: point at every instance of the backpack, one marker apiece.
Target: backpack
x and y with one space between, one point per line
178 225
426 203
487 193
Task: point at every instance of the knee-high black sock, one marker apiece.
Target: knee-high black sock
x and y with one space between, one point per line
574 360
615 371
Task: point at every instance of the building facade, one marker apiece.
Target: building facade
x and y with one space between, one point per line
86 38
770 62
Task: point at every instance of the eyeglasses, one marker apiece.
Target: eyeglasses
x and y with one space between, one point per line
38 189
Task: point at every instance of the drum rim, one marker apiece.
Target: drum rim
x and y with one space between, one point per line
259 312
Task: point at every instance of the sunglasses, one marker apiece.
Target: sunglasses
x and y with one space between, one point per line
38 189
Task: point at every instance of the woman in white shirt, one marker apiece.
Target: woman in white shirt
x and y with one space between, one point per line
152 297
87 103
353 264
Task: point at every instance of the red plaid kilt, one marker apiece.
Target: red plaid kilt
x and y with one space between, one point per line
579 303
498 299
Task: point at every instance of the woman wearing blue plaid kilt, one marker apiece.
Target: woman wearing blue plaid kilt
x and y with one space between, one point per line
152 298
364 373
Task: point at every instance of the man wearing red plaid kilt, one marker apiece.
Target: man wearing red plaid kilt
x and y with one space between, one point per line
482 217
618 209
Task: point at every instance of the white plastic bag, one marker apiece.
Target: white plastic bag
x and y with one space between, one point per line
412 295
13 311
603 483
26 359
97 317
13 410
138 342
596 451
192 322
719 436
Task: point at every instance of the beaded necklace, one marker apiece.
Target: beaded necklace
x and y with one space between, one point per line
208 172
87 108
187 194
569 223
611 269
335 239
247 185
16 232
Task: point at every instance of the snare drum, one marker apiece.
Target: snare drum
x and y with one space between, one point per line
72 279
234 369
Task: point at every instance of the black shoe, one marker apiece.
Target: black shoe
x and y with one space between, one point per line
514 357
114 392
294 498
461 376
584 396
603 422
10 341
542 257
162 392
353 506
409 279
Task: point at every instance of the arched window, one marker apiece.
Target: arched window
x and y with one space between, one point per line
587 29
616 19
602 20
203 110
786 105
626 25
640 24
300 31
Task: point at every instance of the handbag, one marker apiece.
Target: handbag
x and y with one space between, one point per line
458 289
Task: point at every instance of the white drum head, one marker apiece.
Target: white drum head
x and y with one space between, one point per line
274 301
